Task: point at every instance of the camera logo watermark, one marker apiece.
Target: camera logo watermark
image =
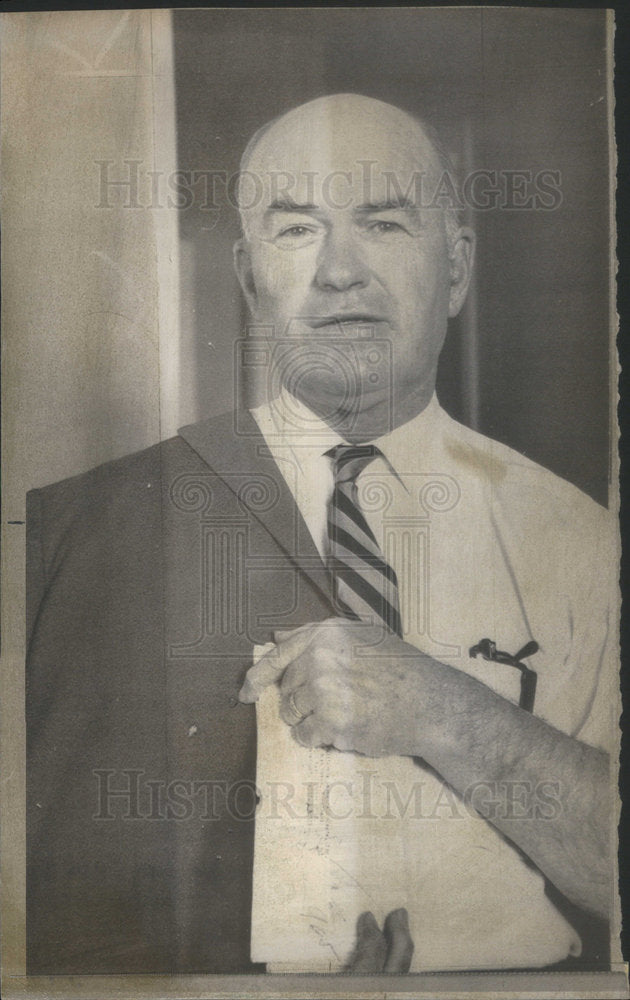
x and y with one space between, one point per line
349 358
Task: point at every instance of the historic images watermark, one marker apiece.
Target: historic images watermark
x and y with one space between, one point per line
130 794
129 183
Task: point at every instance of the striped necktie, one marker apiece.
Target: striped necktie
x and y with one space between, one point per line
365 585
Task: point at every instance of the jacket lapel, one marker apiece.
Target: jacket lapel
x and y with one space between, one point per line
233 447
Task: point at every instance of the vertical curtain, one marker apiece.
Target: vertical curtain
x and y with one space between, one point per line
90 249
89 297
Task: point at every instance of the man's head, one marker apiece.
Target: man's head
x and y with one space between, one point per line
344 256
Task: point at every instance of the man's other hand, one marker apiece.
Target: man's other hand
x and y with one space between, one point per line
389 950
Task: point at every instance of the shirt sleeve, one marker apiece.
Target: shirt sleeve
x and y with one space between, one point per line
599 636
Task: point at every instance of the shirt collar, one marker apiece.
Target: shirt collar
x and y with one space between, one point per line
404 444
286 422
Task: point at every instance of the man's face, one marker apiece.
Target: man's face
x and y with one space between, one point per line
344 263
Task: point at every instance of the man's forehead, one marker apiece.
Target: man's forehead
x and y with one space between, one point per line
313 141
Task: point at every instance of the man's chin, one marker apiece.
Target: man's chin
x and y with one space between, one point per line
361 414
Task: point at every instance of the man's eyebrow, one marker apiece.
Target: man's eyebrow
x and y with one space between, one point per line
399 203
387 205
288 205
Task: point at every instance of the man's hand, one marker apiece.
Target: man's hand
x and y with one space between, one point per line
344 684
389 950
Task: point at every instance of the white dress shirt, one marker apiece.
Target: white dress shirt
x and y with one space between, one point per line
485 544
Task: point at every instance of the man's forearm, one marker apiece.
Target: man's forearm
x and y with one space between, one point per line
343 685
469 735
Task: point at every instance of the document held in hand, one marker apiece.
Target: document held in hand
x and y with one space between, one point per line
338 834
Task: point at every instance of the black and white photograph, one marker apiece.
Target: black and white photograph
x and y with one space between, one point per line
310 538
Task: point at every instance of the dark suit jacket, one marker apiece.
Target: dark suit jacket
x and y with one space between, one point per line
149 580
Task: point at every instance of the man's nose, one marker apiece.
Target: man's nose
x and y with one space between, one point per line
341 265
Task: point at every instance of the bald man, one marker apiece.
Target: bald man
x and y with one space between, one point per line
361 547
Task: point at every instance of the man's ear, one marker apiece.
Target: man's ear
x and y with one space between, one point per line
462 259
244 273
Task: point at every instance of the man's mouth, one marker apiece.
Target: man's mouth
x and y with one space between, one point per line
342 319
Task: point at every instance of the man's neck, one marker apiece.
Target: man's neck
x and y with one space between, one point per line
369 423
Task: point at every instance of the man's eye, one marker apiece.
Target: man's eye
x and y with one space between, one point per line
296 236
295 231
383 226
